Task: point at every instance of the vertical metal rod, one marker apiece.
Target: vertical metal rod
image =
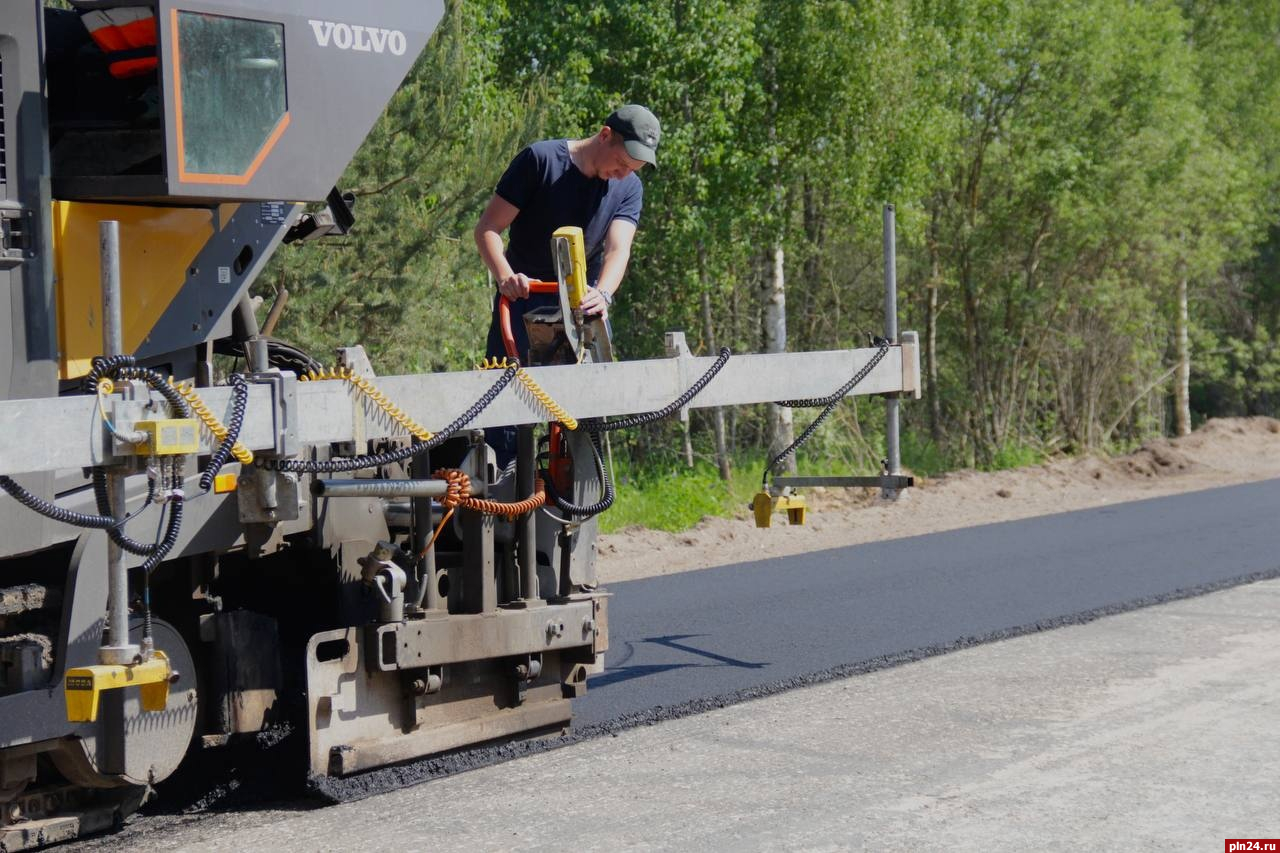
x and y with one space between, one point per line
116 647
109 256
892 451
526 535
428 588
476 591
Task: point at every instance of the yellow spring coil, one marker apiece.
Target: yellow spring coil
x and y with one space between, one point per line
364 386
242 454
556 410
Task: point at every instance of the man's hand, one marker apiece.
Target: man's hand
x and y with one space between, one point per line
515 286
594 304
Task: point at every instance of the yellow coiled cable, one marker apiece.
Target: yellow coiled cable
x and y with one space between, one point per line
369 390
242 454
557 411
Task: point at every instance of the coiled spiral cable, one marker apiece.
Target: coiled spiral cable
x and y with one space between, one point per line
227 435
829 403
671 408
169 538
458 494
544 399
51 510
125 367
595 427
602 473
375 460
228 444
375 396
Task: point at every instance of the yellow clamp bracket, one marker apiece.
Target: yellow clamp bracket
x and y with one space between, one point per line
544 399
369 390
763 505
84 685
569 248
216 428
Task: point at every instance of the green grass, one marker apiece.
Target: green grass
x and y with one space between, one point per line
670 496
1015 456
922 456
674 497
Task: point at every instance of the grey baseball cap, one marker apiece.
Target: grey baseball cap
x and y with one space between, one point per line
640 131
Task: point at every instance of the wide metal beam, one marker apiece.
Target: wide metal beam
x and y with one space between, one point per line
60 433
502 633
887 481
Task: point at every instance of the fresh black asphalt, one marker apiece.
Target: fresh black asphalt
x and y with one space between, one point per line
691 642
697 636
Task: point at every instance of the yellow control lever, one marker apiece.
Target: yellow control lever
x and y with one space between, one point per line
570 254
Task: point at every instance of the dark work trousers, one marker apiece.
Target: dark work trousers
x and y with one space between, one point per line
503 439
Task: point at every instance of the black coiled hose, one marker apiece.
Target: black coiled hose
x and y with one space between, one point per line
169 539
125 367
829 403
375 460
51 510
114 530
671 408
239 401
606 484
593 428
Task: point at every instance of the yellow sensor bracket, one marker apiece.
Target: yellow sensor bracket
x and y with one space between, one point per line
84 686
569 248
764 504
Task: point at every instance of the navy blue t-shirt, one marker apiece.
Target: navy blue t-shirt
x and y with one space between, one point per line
550 193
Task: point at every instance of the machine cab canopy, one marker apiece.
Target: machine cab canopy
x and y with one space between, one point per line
235 99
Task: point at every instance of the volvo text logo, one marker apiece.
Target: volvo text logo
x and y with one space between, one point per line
356 37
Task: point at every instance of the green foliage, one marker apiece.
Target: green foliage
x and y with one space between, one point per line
923 456
1012 455
1057 170
671 497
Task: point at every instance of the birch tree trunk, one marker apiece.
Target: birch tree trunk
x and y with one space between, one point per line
931 333
781 431
1182 385
781 428
717 414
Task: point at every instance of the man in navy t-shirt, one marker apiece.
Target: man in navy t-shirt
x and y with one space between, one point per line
587 182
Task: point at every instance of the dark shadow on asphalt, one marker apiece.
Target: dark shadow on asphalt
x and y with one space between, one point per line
621 671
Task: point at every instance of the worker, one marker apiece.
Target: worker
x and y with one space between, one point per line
590 183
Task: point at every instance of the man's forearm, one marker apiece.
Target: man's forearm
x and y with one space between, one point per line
489 242
613 269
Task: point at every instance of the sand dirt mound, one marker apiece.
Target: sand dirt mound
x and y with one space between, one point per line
1223 452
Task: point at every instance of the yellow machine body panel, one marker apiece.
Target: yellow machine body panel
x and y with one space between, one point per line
157 245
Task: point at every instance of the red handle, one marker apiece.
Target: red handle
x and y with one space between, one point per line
504 313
